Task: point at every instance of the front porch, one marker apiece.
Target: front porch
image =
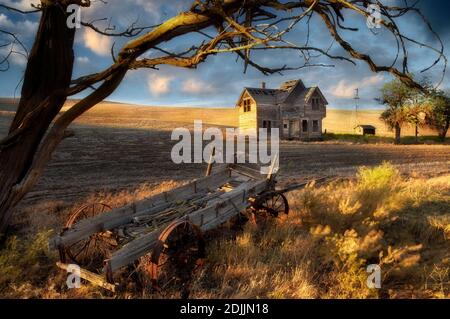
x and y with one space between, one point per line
301 128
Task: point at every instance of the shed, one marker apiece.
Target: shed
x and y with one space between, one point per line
366 129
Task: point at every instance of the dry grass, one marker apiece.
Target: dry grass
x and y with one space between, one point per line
323 247
319 251
147 117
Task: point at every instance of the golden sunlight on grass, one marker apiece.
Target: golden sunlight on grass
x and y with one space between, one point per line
320 250
333 232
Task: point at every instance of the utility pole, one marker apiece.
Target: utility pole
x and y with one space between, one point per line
356 98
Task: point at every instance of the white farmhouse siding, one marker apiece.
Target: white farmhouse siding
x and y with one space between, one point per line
247 113
296 110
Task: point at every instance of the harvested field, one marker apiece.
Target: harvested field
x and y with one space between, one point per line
120 148
342 122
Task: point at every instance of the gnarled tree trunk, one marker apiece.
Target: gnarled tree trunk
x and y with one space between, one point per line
398 130
443 131
49 69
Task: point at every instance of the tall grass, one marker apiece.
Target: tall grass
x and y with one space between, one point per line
25 265
321 250
332 233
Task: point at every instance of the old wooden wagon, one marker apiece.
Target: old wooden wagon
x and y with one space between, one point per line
167 228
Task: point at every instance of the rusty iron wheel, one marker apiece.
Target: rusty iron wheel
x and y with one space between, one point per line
177 256
90 253
270 206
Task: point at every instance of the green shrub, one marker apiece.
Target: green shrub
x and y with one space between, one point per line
25 259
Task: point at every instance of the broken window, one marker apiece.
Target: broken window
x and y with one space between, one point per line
315 104
247 105
315 126
305 126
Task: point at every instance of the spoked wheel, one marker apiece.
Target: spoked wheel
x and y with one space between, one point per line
177 256
90 253
270 206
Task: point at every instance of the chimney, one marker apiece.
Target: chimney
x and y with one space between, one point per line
263 85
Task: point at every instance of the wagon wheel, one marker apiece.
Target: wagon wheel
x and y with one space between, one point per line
272 205
90 252
176 257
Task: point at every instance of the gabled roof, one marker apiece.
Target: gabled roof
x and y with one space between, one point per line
311 92
291 85
288 92
293 89
263 96
366 127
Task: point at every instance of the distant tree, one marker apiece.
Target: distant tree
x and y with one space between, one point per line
438 112
398 98
416 109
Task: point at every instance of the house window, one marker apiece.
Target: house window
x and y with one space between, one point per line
285 125
305 126
315 104
315 126
247 105
267 124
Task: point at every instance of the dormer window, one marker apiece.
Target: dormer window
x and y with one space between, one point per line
247 105
315 103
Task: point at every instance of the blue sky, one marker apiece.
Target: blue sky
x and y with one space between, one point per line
219 80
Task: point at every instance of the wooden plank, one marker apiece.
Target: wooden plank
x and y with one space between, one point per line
235 200
133 250
247 171
93 278
154 204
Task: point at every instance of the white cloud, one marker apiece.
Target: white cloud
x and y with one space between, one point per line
96 42
5 21
150 6
20 28
346 89
195 86
159 84
83 59
21 4
28 27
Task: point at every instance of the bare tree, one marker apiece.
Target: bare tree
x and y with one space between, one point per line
232 26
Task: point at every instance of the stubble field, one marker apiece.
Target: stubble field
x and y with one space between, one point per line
119 154
120 147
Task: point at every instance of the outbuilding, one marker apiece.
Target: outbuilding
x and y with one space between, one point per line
366 129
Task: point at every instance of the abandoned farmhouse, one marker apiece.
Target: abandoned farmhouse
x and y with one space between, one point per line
296 110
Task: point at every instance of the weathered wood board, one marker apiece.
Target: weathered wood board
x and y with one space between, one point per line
124 215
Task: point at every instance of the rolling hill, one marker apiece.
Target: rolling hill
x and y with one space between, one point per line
118 114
